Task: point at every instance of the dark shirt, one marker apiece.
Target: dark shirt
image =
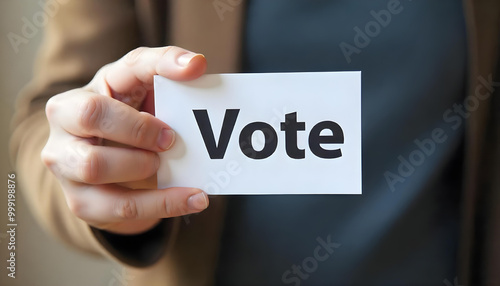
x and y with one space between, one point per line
403 229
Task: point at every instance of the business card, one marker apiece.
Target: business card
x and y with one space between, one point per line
257 134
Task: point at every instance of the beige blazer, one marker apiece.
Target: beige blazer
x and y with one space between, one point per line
86 34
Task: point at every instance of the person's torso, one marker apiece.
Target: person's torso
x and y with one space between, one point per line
404 227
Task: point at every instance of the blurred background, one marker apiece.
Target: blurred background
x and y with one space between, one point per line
40 259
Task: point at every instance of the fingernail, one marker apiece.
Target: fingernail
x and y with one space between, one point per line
198 201
166 139
184 59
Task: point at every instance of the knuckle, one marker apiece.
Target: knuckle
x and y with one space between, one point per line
140 130
171 209
167 49
99 74
57 103
51 108
76 207
47 157
133 56
91 166
91 113
126 208
97 84
166 207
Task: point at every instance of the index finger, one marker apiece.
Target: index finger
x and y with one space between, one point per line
140 65
88 114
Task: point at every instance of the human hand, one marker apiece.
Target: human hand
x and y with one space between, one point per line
107 109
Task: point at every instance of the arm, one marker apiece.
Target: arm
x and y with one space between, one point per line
80 38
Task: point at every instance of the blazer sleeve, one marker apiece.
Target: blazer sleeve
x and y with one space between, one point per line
80 37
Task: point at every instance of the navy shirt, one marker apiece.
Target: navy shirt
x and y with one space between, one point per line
403 229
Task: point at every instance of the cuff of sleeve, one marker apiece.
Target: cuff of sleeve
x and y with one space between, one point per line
141 250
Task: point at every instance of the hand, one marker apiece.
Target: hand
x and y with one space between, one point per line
107 109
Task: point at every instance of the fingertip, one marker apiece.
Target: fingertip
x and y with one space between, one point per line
198 201
181 65
196 67
166 139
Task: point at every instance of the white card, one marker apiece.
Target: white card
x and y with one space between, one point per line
272 133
